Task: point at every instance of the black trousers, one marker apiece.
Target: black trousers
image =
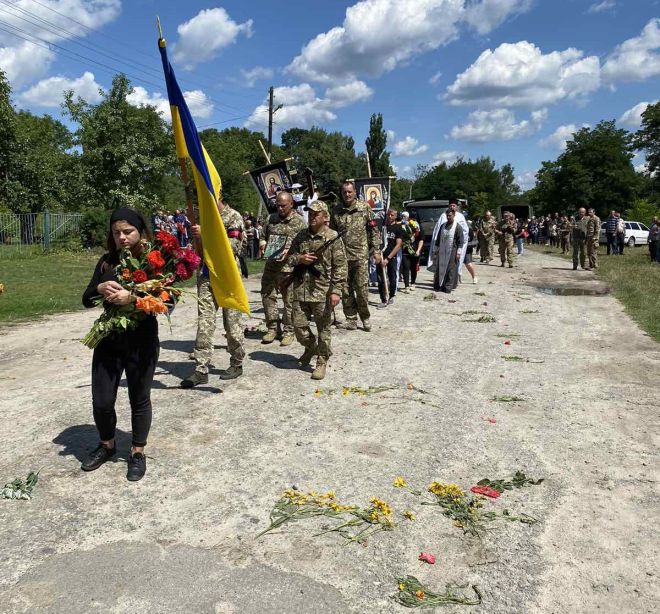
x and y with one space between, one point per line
136 354
391 279
409 265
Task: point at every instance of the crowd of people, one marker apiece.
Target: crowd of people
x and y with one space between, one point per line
314 261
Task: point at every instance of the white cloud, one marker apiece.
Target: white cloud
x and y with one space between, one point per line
486 16
302 108
258 73
636 59
557 140
526 180
435 79
348 93
632 118
61 25
390 135
520 75
203 36
600 7
408 147
199 104
24 63
497 125
50 92
378 35
448 157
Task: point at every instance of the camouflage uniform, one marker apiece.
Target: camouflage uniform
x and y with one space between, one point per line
276 271
207 307
593 232
507 228
357 223
486 235
311 294
565 230
579 239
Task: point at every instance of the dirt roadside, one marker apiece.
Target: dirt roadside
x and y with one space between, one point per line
182 540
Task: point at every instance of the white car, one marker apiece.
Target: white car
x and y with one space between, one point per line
636 233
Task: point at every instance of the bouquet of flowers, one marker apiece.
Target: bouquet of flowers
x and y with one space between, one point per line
150 277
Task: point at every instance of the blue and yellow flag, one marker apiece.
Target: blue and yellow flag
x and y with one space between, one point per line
224 274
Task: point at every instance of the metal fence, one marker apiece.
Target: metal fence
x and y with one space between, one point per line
36 232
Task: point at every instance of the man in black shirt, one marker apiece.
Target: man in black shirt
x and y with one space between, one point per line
393 243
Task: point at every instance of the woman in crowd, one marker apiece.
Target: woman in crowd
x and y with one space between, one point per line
134 352
412 249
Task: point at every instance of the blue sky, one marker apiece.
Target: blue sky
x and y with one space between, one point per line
511 79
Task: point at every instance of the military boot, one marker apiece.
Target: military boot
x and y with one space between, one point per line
319 372
194 380
232 372
306 358
270 335
366 325
287 339
350 324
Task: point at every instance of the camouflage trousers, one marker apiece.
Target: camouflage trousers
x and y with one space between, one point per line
579 250
486 248
270 288
355 294
507 252
322 314
207 309
592 252
564 242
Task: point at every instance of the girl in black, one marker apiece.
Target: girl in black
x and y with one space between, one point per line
134 352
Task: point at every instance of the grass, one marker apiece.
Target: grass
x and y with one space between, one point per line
634 280
38 284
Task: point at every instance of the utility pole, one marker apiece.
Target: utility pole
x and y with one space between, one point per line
271 112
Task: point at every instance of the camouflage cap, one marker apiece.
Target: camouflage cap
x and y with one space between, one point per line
317 205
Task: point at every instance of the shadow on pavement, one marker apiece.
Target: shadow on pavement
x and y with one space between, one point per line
81 439
279 361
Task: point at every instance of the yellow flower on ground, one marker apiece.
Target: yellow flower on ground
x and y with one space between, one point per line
399 482
402 587
411 386
345 391
317 392
409 515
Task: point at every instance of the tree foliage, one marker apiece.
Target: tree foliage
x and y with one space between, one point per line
647 139
125 150
379 157
595 171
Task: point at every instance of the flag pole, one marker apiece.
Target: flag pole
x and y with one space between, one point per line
183 168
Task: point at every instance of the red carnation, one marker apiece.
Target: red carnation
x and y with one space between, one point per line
191 258
156 260
487 491
182 271
168 242
139 277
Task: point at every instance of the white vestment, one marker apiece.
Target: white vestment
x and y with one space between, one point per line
460 218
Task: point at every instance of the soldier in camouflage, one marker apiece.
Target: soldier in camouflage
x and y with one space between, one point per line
207 309
504 232
317 296
355 220
565 230
593 236
281 228
486 236
580 238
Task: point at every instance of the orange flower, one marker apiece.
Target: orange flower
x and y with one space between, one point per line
125 274
420 594
165 296
151 304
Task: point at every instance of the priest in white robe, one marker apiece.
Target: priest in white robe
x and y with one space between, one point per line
460 220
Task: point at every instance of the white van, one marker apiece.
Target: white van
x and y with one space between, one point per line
636 233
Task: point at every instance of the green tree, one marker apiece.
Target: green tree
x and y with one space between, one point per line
379 157
331 155
642 210
647 139
12 192
125 150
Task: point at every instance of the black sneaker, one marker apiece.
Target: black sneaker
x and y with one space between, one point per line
98 457
137 467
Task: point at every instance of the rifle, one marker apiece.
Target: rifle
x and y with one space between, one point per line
300 269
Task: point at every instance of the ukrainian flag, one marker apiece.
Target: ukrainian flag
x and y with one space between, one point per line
224 274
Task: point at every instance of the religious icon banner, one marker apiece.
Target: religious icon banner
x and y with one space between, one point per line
375 191
269 180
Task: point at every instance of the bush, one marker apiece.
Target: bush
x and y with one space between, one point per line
94 226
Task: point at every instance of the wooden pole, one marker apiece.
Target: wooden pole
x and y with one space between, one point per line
270 122
263 149
189 204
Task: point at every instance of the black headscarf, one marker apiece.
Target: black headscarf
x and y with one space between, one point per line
128 215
